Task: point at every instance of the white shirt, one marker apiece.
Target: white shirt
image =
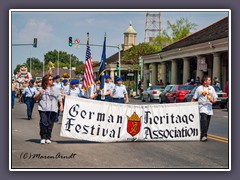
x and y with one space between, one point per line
58 86
30 91
119 91
66 89
73 92
107 87
205 106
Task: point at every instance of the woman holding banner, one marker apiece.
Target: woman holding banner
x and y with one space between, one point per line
48 99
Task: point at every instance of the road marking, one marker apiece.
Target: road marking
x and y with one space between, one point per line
218 138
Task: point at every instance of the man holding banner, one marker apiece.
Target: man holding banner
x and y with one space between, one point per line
119 92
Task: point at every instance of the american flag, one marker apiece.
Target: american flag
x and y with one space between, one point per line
88 72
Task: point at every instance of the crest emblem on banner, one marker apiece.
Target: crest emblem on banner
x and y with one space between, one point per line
134 124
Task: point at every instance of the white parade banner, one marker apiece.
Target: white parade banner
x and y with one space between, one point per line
99 121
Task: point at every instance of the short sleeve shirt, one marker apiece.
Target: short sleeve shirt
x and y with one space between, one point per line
119 91
48 101
205 106
30 91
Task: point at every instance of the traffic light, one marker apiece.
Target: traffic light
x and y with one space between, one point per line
117 66
70 41
35 42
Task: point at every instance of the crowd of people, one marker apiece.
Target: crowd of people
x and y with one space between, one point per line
50 94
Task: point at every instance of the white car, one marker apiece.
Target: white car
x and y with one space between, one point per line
152 93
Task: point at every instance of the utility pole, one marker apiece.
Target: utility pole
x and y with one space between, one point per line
70 70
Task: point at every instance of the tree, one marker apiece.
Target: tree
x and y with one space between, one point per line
162 40
178 30
80 68
181 28
132 55
17 69
64 58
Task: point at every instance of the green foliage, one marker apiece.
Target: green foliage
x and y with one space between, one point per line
162 40
181 28
64 58
131 84
178 30
80 68
17 69
132 55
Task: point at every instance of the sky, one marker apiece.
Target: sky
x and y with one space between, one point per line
52 29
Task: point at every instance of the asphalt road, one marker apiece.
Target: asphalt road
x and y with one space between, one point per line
27 152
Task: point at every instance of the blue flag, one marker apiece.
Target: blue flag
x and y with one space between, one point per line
102 65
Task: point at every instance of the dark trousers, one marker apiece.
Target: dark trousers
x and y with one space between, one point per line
46 123
13 98
108 98
30 105
98 98
118 100
204 123
58 113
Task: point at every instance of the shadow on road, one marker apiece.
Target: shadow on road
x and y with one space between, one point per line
37 141
23 119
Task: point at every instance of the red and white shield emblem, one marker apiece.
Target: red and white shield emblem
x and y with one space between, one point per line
134 124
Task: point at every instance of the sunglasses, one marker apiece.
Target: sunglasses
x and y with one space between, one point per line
50 79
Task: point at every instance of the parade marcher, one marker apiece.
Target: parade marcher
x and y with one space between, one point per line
48 97
65 88
21 88
73 90
206 96
119 92
29 93
56 82
14 92
97 90
108 88
58 85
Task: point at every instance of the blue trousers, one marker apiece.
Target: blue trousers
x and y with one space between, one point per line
13 98
108 98
118 100
30 105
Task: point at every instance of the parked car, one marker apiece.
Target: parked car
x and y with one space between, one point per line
174 93
221 100
152 93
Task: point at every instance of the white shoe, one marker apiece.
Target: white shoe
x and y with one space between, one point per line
204 139
48 141
42 141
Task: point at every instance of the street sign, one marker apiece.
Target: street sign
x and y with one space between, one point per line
130 74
